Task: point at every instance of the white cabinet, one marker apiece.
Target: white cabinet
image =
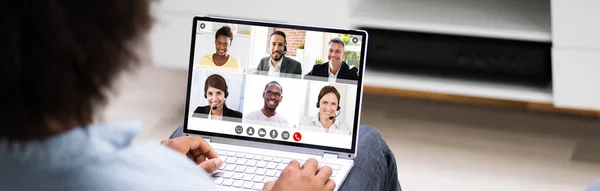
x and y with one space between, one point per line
576 53
575 23
576 77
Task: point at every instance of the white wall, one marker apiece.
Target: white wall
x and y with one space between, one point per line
313 46
259 40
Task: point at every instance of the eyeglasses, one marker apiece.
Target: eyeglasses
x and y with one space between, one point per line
270 93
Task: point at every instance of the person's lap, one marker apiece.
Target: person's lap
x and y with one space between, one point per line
374 167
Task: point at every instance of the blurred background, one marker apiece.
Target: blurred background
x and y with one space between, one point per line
470 95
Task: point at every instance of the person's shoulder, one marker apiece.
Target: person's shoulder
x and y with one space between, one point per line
132 168
206 60
253 114
232 62
281 118
262 64
344 126
264 60
201 109
152 161
323 65
207 57
291 60
595 186
353 69
233 59
234 113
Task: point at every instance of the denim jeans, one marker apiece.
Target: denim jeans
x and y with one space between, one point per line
374 166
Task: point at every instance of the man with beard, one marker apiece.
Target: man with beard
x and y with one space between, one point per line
268 114
277 62
335 68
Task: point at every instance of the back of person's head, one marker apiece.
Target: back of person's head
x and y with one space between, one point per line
215 81
60 58
224 31
329 89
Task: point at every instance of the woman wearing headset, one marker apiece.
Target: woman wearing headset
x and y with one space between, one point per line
325 121
221 59
215 92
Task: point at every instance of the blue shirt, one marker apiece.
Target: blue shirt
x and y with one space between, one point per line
98 157
595 186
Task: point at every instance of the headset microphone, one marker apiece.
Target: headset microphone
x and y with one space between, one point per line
333 117
214 107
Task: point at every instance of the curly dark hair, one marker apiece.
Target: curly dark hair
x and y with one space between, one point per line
60 59
224 31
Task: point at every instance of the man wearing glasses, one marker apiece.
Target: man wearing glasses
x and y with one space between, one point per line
268 114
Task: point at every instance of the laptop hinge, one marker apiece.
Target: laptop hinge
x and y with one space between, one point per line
207 139
330 156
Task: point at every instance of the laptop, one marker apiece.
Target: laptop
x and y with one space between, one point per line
266 93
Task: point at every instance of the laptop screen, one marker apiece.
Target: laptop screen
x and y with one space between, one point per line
275 83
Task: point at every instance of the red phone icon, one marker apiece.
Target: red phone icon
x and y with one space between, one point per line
297 136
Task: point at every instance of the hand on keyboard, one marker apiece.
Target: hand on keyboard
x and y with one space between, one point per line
196 149
306 177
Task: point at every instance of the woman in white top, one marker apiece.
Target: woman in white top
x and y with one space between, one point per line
325 121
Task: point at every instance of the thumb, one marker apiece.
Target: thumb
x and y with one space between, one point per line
269 186
211 165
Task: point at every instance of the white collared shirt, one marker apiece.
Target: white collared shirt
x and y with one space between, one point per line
332 76
274 71
313 124
209 114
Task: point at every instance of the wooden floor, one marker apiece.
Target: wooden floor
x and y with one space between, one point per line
438 145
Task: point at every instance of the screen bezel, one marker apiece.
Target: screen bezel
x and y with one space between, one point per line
289 26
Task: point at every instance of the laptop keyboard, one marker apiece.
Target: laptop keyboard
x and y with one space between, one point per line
250 171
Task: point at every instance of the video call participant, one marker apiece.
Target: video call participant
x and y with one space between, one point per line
325 121
221 58
216 92
272 96
335 68
277 62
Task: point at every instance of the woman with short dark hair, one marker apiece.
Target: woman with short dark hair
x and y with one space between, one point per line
221 59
